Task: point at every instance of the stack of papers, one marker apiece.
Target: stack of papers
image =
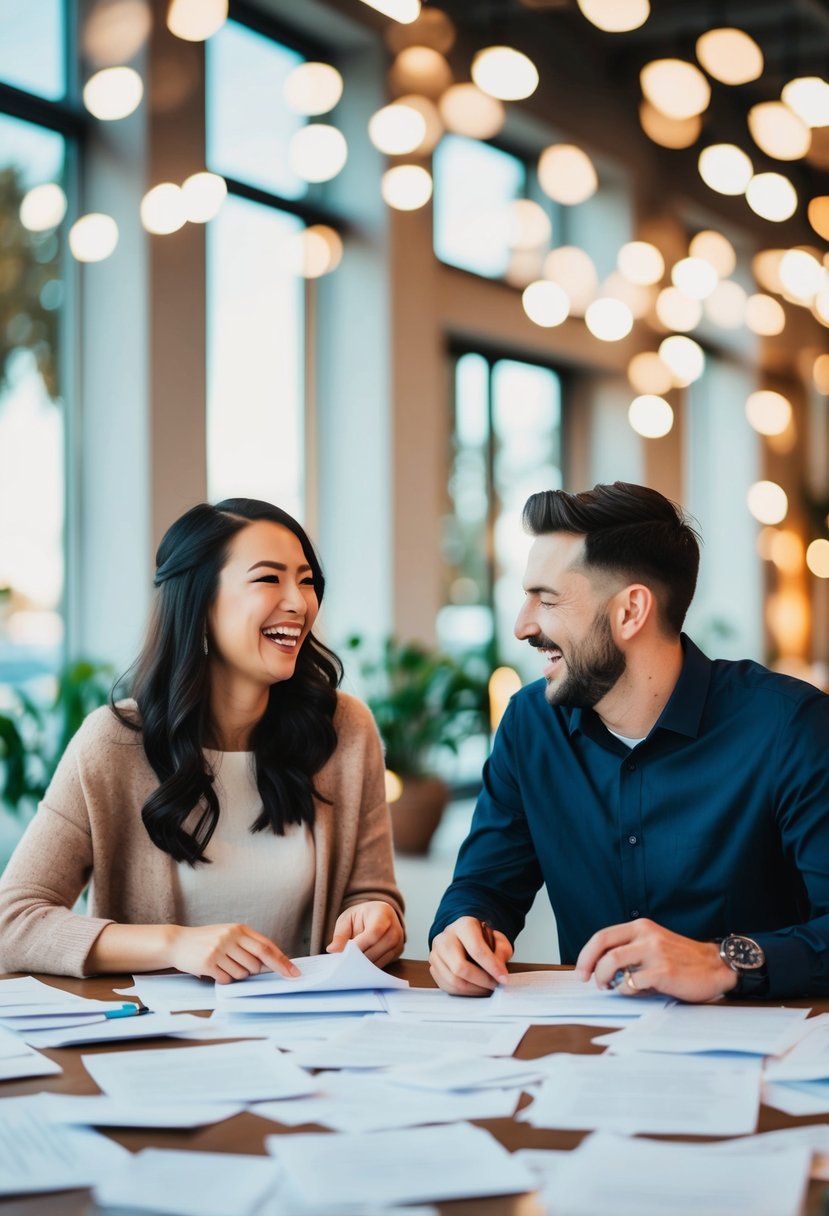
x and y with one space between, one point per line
19 1060
172 992
27 1004
397 1167
329 983
148 1026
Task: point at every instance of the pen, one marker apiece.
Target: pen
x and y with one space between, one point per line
488 934
127 1011
620 976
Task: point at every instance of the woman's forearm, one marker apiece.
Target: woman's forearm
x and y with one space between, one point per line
132 948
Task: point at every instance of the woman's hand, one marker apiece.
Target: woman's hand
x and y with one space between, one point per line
226 952
373 926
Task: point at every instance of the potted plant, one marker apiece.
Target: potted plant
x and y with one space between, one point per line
425 703
34 733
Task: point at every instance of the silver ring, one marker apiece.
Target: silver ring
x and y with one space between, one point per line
629 980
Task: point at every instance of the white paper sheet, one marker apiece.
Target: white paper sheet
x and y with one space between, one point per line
31 1064
99 1110
284 1031
350 1103
706 1028
189 1183
347 971
815 1136
423 1163
381 1042
295 1004
28 1003
432 1005
173 992
37 1156
247 1071
148 1026
527 993
797 1097
466 1072
808 1059
658 1094
646 1178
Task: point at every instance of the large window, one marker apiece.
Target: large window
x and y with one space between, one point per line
255 296
506 445
32 358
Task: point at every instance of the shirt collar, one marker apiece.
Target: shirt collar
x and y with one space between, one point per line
686 704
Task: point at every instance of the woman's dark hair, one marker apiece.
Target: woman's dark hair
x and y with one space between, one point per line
631 531
170 685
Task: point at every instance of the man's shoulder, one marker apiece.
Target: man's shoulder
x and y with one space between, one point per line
751 680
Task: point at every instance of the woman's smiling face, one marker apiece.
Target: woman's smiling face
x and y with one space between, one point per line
265 605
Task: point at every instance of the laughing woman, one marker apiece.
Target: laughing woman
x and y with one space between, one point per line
231 815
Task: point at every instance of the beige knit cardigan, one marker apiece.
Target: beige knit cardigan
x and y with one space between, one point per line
88 831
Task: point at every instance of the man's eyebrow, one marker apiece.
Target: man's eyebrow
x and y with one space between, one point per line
278 566
541 591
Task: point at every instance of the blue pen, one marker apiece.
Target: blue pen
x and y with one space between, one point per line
127 1011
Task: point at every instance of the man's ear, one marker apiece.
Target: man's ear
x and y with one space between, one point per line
633 607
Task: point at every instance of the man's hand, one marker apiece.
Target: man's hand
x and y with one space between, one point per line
373 926
463 964
226 952
660 961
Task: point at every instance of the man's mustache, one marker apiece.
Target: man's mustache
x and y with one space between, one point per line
542 642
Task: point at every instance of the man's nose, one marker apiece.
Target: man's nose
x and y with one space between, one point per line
525 626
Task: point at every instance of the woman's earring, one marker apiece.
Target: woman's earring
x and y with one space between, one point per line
204 640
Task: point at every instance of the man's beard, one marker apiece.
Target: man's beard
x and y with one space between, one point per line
593 667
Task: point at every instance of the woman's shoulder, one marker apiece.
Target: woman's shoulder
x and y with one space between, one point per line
352 712
104 729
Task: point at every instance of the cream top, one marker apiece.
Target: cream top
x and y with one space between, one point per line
257 878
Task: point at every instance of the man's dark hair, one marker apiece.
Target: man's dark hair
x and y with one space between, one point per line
631 531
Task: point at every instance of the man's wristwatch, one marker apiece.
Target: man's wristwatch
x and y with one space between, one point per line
747 959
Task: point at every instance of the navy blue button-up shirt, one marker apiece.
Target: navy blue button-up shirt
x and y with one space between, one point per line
717 823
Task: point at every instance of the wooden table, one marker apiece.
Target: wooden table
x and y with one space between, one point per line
245 1133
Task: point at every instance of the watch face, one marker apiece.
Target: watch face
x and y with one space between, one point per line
742 953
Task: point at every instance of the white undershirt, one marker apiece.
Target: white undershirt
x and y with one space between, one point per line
624 738
257 878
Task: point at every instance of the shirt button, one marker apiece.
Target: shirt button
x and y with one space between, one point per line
632 840
634 912
631 766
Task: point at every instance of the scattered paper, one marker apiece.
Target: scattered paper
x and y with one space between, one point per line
797 1097
350 1103
815 1136
424 1163
295 1004
189 1183
467 1072
529 993
247 1071
347 971
705 1028
17 1059
808 1059
38 1156
283 1030
99 1110
172 992
382 1042
148 1026
657 1094
646 1178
